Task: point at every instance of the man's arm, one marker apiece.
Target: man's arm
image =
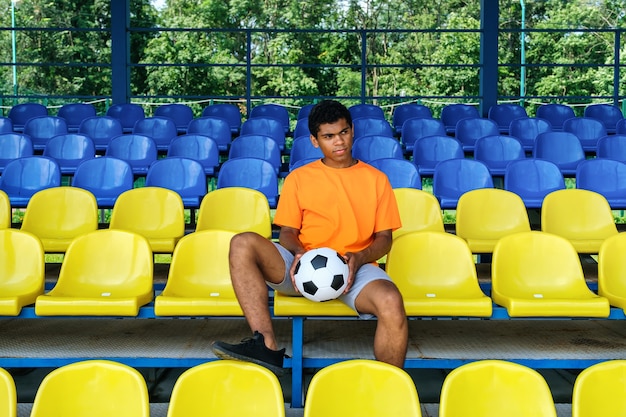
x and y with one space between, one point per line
379 247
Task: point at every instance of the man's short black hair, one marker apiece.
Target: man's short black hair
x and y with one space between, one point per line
327 111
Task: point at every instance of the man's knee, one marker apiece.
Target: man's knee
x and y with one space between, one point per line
384 300
243 242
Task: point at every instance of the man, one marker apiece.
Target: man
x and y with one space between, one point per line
335 202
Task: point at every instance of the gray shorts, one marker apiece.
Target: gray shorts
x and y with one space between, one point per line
366 274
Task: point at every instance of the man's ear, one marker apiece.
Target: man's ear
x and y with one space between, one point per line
314 141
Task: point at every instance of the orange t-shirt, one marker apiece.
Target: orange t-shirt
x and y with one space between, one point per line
337 208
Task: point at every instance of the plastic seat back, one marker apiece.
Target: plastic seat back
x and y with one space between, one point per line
400 172
227 111
60 214
107 272
6 125
25 176
454 177
419 211
469 130
364 126
407 111
370 147
376 389
214 127
452 113
598 390
527 129
503 114
99 388
105 177
588 131
562 148
416 128
302 128
611 270
140 151
266 126
237 209
305 110
532 179
22 271
606 177
620 127
21 113
5 211
196 287
183 175
490 388
75 113
611 147
101 129
436 274
181 114
607 114
497 152
539 274
227 388
274 111
13 146
581 216
430 150
8 394
69 150
366 110
556 114
161 129
302 148
200 148
485 215
42 128
261 146
127 113
254 173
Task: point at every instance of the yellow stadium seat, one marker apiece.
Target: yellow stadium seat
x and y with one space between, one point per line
228 389
57 215
8 395
198 282
155 213
419 211
491 388
104 273
237 209
361 387
436 274
539 274
581 216
93 388
485 215
599 390
5 211
22 270
612 270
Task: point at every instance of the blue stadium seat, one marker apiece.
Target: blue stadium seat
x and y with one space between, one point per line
371 126
620 127
23 177
20 113
612 147
217 128
408 111
13 146
304 111
452 113
6 125
254 173
101 129
430 150
503 114
274 111
161 129
527 129
607 114
268 126
75 113
69 150
606 177
197 147
401 172
256 146
139 151
419 127
366 110
556 114
370 147
183 175
302 128
106 177
127 113
181 114
228 112
303 149
533 179
562 148
470 129
497 151
454 177
42 128
587 129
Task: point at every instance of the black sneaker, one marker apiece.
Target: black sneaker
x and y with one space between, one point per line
252 349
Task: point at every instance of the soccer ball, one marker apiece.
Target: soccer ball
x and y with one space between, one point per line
321 274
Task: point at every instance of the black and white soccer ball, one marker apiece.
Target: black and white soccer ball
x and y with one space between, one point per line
321 274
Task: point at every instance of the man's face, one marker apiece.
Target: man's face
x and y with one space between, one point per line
335 142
